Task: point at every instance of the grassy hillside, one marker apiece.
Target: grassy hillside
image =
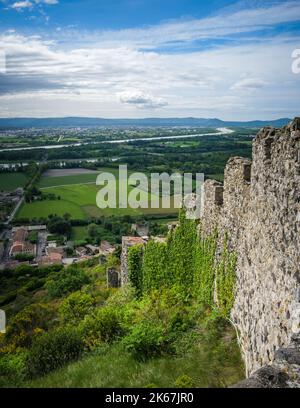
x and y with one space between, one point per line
67 329
200 363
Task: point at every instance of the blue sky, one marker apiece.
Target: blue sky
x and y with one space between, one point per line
113 14
138 58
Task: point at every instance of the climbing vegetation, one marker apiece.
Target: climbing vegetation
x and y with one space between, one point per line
190 261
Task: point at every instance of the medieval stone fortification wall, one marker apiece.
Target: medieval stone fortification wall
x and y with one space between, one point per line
259 207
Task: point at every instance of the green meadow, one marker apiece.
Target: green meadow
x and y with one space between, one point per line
76 195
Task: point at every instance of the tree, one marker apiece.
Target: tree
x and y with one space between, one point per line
93 230
57 225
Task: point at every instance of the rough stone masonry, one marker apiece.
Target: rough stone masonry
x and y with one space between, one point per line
259 207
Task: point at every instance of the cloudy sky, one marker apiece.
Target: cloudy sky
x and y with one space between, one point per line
149 58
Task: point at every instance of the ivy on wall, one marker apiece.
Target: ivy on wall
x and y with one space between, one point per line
154 270
135 270
225 280
189 261
205 269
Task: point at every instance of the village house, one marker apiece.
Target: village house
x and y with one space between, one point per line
20 245
54 256
106 248
81 251
92 249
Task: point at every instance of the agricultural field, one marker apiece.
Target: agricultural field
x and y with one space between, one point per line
46 182
76 195
11 181
42 209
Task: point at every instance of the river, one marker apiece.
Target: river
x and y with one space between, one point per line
221 131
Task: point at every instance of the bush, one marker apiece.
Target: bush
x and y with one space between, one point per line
23 270
145 341
53 350
24 257
24 325
185 381
75 307
13 368
156 321
69 280
104 326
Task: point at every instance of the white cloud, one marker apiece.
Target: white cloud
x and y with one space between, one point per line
109 73
19 5
249 84
141 99
224 24
50 2
26 4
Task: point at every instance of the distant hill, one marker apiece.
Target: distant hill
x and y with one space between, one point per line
153 122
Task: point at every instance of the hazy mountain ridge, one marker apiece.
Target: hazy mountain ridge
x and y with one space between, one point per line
154 122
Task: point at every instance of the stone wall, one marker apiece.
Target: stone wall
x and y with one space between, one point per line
128 242
259 208
283 373
113 278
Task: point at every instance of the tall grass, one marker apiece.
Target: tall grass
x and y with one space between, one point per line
207 361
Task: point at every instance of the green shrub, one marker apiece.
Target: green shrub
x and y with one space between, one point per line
75 307
184 381
69 280
9 297
13 368
24 325
53 350
105 325
155 322
23 257
146 341
34 284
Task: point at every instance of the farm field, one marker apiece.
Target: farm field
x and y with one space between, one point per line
68 172
11 181
47 182
54 178
42 209
78 197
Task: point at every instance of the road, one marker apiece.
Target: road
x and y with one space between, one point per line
15 210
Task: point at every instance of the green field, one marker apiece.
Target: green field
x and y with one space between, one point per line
11 181
46 182
41 209
78 198
49 181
